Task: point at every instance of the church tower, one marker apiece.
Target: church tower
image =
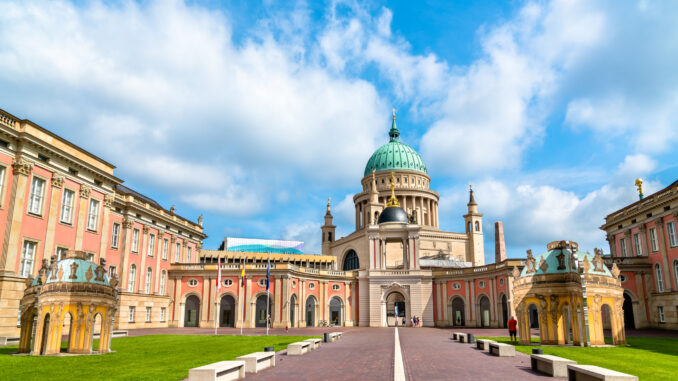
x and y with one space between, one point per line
374 206
474 231
328 231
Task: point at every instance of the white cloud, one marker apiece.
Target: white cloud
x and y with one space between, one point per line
161 90
308 231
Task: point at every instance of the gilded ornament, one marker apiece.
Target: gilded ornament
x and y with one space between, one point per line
85 191
530 263
74 269
57 181
89 274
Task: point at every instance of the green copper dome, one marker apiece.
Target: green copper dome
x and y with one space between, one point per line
395 155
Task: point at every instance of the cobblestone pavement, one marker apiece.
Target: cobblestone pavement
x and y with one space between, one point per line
361 354
429 354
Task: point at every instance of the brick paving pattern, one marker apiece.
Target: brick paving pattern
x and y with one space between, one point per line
429 354
361 354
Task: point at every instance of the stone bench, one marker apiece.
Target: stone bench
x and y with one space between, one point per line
591 372
463 337
334 336
315 343
502 350
219 371
483 344
455 335
254 362
554 366
299 348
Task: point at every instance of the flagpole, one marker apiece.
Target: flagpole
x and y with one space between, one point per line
242 282
268 279
216 294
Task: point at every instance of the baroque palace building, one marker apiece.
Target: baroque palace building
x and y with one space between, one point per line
397 264
55 197
644 245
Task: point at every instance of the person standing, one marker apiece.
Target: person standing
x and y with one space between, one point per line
512 326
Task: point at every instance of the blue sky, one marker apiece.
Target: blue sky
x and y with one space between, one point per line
253 113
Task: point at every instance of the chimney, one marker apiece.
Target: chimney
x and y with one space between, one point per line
499 245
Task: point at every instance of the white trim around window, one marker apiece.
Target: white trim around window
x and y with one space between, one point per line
115 235
135 240
67 198
671 231
3 180
36 196
28 251
93 215
654 243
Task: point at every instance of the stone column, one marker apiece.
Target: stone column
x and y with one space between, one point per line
57 183
348 321
631 247
81 224
439 303
493 304
143 251
177 299
302 303
278 295
613 247
325 301
286 301
663 252
21 169
106 213
124 251
159 240
444 306
206 299
246 305
467 303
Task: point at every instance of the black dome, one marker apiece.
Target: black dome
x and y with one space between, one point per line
393 214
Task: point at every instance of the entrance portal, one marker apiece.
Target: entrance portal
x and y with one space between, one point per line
395 309
335 311
484 311
629 319
260 314
293 307
227 311
310 311
192 311
458 312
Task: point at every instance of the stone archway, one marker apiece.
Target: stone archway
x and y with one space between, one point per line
192 311
457 315
484 315
260 310
227 311
311 306
396 308
629 318
336 311
504 311
293 311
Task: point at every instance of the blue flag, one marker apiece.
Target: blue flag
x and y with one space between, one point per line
268 272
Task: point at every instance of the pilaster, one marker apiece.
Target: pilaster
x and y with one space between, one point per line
85 192
21 169
57 184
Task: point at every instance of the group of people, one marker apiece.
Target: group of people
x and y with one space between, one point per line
414 321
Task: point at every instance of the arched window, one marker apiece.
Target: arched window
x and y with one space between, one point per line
149 275
351 261
163 275
329 236
477 226
132 277
659 278
469 227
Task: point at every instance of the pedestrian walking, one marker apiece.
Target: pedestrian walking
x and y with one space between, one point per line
512 325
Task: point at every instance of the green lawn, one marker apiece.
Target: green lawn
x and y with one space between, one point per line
157 357
647 358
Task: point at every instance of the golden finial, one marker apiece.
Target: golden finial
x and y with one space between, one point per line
639 185
393 201
393 114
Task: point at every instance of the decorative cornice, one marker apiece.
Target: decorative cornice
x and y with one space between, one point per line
85 191
127 223
173 239
21 167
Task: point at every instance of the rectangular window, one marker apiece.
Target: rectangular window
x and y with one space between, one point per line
93 215
188 254
27 258
135 241
151 245
662 319
671 230
636 243
653 239
61 253
149 278
115 235
67 206
111 271
165 246
37 195
622 244
148 314
177 253
130 316
162 313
